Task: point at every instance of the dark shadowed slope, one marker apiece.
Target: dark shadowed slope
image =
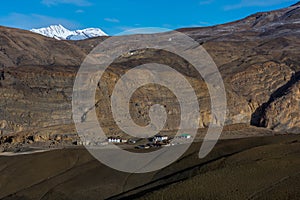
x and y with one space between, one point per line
236 169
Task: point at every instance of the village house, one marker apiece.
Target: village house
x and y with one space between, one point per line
185 136
159 138
116 140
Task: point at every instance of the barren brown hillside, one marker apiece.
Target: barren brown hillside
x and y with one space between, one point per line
258 58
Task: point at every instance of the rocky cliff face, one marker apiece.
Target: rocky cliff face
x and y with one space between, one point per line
258 58
283 113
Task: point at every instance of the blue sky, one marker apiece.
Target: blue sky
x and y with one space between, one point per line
114 16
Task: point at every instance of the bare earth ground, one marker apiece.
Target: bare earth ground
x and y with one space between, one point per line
264 167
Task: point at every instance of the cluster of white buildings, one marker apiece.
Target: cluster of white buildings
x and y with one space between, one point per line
116 140
159 138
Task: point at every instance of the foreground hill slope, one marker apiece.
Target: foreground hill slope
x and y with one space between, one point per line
249 168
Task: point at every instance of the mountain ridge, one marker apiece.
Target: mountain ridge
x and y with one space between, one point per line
257 57
59 32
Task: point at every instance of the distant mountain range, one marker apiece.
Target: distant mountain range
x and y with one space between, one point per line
61 33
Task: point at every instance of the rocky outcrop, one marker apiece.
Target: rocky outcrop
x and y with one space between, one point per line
284 113
35 97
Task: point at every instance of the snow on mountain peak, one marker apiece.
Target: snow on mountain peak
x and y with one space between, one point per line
61 33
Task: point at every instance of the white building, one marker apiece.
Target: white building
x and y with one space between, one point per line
159 138
185 136
116 140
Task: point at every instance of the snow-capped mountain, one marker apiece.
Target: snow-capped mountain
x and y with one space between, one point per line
61 33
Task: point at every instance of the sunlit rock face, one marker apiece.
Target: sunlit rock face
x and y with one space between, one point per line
258 58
